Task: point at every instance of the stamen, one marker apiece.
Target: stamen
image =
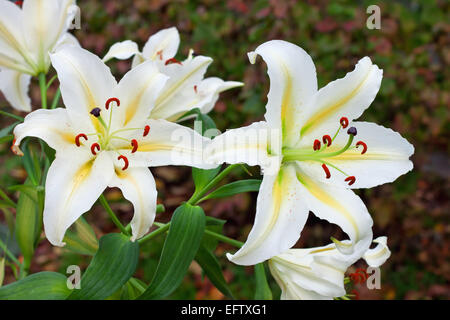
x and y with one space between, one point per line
172 60
195 89
316 145
94 147
146 130
134 143
77 139
159 53
351 180
352 131
327 171
361 143
327 139
344 122
125 159
108 102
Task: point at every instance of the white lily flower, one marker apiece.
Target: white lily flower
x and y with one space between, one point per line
27 36
186 88
309 161
103 138
318 273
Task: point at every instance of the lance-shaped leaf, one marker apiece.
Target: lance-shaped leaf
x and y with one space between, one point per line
208 261
233 188
38 286
82 238
181 245
262 291
113 264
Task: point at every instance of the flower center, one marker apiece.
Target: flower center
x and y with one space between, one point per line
107 136
319 151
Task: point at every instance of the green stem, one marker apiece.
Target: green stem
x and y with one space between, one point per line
159 209
198 196
43 86
111 214
56 98
7 199
12 115
225 239
8 253
155 233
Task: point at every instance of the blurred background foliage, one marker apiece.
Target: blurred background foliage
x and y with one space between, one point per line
413 49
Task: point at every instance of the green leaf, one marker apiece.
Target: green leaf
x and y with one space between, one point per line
81 238
2 270
181 245
214 225
262 291
233 188
7 130
28 225
38 286
113 264
210 265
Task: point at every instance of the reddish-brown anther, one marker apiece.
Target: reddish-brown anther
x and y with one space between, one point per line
327 171
125 160
146 130
316 145
94 147
134 143
344 122
350 179
172 60
108 102
77 139
362 143
327 139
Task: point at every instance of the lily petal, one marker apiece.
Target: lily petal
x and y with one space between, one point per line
45 21
85 82
339 206
52 126
121 50
346 97
292 84
177 94
167 143
162 45
66 39
74 183
386 158
138 186
14 85
13 49
209 90
137 92
377 256
245 145
280 217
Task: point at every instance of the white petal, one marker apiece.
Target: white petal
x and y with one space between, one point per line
66 39
52 126
138 186
346 97
137 92
386 158
248 145
74 182
121 50
14 85
45 21
209 90
339 206
280 216
85 82
377 256
292 84
162 45
13 49
137 59
176 97
167 144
